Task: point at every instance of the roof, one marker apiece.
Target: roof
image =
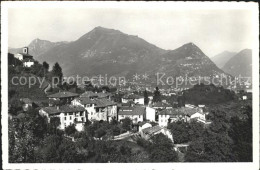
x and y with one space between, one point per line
28 55
85 100
28 60
131 111
161 104
151 130
26 100
64 109
132 96
92 94
104 103
143 123
180 111
63 95
88 94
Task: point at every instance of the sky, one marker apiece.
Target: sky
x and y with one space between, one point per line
214 31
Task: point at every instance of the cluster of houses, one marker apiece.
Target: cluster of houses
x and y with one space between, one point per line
89 106
25 57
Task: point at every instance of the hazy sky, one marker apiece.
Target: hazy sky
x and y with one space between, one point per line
212 30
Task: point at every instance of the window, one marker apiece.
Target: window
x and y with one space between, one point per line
70 117
139 116
81 113
64 118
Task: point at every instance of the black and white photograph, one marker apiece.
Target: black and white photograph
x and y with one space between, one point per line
138 85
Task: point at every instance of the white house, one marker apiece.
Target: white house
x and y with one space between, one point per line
98 109
64 96
198 115
137 99
189 106
150 114
147 133
135 113
28 62
68 114
144 125
24 55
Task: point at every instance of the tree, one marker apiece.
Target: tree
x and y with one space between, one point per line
179 131
195 131
161 149
70 130
195 152
45 65
88 86
146 99
53 125
57 72
241 133
127 122
157 95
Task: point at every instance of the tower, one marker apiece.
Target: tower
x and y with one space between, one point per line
25 50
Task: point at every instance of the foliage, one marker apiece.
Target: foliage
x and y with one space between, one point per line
45 65
179 131
127 124
208 94
70 130
157 95
146 99
57 72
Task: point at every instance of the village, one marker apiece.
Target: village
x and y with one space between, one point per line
148 114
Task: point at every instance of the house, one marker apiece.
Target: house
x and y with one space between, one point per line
147 133
68 115
98 109
189 106
161 105
24 55
168 115
28 62
65 96
144 125
92 95
150 113
26 103
179 114
105 110
135 113
137 99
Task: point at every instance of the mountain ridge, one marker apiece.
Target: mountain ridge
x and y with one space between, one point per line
109 51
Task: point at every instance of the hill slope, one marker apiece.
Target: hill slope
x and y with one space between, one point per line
240 64
111 52
221 59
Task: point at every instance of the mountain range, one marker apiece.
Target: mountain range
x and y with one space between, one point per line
222 58
108 51
240 64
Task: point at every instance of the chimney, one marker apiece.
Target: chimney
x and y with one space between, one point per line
25 50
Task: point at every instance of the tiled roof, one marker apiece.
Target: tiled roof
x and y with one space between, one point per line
132 96
161 104
104 103
63 109
151 130
28 60
88 94
180 111
85 100
26 100
63 95
28 55
92 94
131 111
